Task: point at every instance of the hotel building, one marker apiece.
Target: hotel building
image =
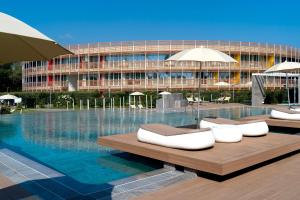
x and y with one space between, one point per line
141 65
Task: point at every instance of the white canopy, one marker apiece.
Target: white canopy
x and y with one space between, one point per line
201 55
284 67
221 83
136 94
8 97
21 42
165 93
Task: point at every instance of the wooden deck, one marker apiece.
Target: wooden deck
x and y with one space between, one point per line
276 122
221 160
279 180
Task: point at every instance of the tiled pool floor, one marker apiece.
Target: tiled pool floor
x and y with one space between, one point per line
22 177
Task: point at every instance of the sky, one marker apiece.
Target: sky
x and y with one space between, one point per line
89 21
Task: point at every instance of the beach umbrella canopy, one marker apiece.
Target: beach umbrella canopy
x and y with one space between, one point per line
8 97
21 42
202 55
222 83
165 93
136 94
284 67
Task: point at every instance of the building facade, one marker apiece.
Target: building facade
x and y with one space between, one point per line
141 65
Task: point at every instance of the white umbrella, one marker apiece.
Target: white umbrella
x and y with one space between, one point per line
136 94
8 97
202 55
21 42
285 67
221 83
165 93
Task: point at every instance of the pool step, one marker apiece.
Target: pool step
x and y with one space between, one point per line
135 188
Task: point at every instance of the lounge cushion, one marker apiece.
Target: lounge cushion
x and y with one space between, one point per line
285 114
247 127
227 133
171 137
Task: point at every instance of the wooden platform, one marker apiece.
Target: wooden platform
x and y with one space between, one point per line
221 160
275 122
279 180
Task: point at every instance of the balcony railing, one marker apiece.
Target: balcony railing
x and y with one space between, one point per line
174 46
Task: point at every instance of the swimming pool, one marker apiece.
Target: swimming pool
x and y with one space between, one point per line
66 141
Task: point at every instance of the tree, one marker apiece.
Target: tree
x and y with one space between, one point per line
11 77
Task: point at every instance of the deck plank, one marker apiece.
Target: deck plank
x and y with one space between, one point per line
221 160
279 180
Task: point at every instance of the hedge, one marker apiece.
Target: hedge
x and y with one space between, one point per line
41 99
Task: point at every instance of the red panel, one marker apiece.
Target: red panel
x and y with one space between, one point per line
50 65
50 80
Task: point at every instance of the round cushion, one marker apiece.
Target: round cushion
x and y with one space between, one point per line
227 133
254 129
190 141
206 124
283 115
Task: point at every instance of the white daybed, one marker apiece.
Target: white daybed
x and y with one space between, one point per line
247 127
286 114
227 133
168 136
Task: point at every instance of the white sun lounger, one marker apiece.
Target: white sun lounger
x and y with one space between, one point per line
168 136
247 127
285 114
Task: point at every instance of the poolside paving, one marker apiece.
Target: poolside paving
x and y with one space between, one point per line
279 180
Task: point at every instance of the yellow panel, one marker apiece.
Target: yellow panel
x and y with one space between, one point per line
271 61
216 76
237 57
237 77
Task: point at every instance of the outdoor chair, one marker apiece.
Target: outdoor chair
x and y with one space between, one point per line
226 99
190 100
132 106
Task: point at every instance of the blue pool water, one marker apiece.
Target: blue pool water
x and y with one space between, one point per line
66 141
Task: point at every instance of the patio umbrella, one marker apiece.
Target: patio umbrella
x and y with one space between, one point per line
164 93
136 94
221 83
139 94
285 67
202 55
10 97
21 42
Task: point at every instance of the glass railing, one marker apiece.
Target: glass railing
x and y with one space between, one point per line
178 45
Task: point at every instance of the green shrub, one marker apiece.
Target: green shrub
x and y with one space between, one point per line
42 99
276 96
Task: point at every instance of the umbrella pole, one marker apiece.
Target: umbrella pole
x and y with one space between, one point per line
288 91
199 94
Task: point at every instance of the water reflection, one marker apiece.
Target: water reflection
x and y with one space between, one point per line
80 129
